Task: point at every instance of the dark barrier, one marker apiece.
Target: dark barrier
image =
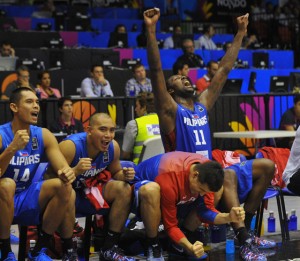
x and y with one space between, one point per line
231 113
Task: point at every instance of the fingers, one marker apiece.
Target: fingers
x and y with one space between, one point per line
239 212
67 175
198 249
151 12
129 173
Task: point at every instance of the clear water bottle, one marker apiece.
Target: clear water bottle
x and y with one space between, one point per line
293 221
131 91
271 222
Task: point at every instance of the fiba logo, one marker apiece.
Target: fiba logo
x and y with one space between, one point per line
232 4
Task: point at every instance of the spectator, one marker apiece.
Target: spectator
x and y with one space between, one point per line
7 50
203 82
44 86
181 68
189 57
289 121
173 41
205 41
96 85
66 123
139 82
46 10
250 41
119 37
137 131
23 76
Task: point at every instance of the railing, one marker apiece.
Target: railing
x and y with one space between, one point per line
232 112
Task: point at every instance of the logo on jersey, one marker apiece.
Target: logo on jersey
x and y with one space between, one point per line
195 116
153 129
184 200
92 172
200 108
195 121
105 157
34 143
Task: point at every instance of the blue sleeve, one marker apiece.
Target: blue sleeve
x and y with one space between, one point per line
204 212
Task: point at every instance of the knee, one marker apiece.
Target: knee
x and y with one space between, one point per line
62 190
121 189
268 167
7 189
230 179
150 192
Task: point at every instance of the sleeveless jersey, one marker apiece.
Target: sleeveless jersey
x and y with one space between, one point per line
23 165
99 164
192 130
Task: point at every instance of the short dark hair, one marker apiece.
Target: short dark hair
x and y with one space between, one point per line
296 98
62 100
178 65
22 68
96 65
41 74
16 95
136 66
146 99
210 173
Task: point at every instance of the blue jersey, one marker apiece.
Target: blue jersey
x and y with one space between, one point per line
98 165
24 163
193 131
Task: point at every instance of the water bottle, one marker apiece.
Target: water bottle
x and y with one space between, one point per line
38 93
207 238
32 243
131 91
293 221
271 222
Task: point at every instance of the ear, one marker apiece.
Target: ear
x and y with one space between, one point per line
88 130
13 107
170 91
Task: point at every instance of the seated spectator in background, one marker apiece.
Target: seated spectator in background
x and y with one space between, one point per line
290 121
66 123
118 38
96 85
180 68
7 50
23 76
203 82
291 173
173 41
205 41
44 86
139 82
145 126
189 57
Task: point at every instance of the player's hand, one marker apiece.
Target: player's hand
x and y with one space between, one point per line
67 175
151 16
20 140
237 214
242 23
129 173
83 165
198 249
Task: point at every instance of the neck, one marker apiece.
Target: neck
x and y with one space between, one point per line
66 118
17 125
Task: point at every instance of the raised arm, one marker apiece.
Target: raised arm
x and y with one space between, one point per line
211 94
163 100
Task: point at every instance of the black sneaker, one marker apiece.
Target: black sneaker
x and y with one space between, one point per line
154 253
70 256
114 254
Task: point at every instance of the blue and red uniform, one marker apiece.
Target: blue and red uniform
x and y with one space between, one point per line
171 171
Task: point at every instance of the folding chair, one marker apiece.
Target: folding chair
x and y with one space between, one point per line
151 147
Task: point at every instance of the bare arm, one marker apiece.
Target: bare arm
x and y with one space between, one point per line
117 172
165 105
56 158
19 142
210 95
